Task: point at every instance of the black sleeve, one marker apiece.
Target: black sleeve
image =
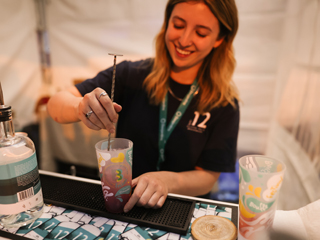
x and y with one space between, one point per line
104 80
128 75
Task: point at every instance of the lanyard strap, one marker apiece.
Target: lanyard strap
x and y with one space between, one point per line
164 133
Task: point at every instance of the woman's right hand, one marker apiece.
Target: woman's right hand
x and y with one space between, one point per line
104 112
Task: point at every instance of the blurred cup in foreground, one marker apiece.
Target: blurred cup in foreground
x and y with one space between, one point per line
115 168
260 179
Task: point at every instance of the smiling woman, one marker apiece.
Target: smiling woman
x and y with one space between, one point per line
180 108
204 25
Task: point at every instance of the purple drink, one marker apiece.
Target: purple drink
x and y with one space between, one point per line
115 167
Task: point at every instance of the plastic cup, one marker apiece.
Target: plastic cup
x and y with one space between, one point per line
260 179
115 168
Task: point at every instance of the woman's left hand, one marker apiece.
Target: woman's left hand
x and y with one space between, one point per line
152 188
150 192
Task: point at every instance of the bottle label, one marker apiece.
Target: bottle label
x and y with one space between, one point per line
20 187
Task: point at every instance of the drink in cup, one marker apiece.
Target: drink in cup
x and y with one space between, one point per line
115 169
260 179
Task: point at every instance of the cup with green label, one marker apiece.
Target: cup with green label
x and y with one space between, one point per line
115 169
260 180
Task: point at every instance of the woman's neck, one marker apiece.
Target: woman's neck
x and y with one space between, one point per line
184 76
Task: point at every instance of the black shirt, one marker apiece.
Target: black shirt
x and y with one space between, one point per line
207 141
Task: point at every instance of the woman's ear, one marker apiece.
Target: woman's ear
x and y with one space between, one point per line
218 42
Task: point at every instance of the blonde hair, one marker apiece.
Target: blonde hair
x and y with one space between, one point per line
216 87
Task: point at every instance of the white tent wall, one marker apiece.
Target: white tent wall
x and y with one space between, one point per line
20 74
295 130
83 32
257 46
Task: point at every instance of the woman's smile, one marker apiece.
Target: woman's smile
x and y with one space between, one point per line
183 53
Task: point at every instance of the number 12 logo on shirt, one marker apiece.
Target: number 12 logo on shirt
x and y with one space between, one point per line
197 125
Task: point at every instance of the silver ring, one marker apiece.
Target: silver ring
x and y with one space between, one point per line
102 94
88 114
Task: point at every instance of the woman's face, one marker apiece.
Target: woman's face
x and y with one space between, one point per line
191 34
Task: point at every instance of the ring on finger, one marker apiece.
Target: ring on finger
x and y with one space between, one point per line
88 114
102 94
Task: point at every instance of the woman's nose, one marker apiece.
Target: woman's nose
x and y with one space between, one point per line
185 39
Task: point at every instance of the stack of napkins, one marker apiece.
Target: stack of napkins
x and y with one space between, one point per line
303 223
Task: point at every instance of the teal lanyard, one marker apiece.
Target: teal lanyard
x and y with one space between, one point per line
164 133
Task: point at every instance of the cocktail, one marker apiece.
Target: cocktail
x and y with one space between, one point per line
115 168
260 179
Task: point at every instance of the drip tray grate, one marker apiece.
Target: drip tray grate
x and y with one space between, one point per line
174 216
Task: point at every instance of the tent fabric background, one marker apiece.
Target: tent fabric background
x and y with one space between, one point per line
271 46
295 128
19 59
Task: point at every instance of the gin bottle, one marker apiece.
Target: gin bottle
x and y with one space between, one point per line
21 200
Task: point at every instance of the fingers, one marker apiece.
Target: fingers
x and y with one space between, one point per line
104 111
149 193
87 105
117 107
88 117
156 201
133 200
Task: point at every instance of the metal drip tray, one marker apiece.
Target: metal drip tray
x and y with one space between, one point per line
174 216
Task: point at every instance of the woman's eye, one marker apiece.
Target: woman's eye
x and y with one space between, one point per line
178 26
201 35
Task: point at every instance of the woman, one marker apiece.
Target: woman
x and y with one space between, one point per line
180 109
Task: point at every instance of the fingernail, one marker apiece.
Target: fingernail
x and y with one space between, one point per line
125 210
111 130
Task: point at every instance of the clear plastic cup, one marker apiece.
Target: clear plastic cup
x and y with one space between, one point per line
260 180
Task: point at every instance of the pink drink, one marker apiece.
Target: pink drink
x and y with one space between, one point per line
250 226
115 168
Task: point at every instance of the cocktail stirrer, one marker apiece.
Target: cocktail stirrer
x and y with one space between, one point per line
2 103
112 86
1 96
